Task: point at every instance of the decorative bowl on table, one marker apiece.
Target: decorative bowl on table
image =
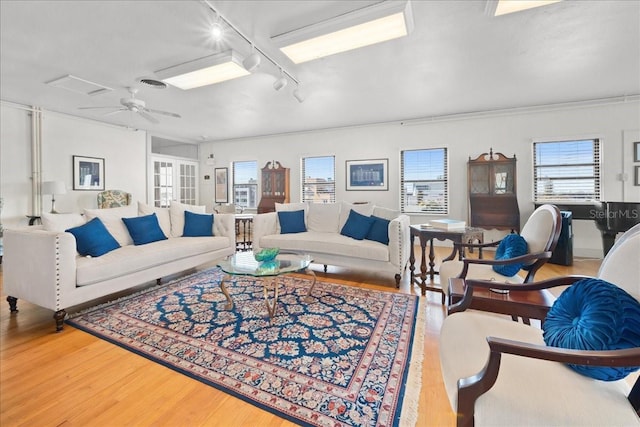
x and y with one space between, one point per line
267 254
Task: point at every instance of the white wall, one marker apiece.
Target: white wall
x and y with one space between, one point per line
510 134
63 136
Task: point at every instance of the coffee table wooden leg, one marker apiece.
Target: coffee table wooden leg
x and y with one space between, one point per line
267 283
229 305
310 273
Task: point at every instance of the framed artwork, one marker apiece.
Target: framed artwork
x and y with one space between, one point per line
636 179
367 175
636 151
88 173
222 185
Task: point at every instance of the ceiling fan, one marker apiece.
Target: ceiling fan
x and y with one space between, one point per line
135 105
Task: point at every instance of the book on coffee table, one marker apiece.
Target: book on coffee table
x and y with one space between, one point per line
448 224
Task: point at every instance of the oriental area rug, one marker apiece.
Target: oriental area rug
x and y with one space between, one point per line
347 357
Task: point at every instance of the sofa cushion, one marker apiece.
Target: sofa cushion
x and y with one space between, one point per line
197 225
593 314
357 226
112 220
327 243
365 209
176 212
385 213
379 231
513 245
93 238
291 222
323 217
164 218
131 259
61 222
144 229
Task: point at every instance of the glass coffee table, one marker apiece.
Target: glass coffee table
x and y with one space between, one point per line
244 264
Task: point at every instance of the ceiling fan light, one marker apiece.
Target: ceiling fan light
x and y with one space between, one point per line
280 83
251 62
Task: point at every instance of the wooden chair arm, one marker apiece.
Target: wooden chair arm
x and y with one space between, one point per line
471 388
535 260
477 245
470 284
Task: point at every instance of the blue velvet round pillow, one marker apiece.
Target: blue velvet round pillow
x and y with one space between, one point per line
594 314
511 246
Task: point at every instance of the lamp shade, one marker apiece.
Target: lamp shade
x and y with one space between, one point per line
54 187
280 83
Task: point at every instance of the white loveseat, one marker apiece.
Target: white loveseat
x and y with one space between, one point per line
323 241
41 264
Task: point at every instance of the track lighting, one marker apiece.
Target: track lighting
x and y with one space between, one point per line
281 82
298 94
252 62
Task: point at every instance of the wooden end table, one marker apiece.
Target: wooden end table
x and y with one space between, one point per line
525 304
427 234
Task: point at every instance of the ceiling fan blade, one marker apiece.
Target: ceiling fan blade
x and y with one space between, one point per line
148 117
111 113
97 108
164 113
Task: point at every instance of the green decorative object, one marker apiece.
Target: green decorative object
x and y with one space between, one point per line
267 254
268 267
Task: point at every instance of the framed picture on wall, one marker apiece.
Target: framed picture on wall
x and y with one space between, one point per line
222 185
88 173
636 179
636 151
367 175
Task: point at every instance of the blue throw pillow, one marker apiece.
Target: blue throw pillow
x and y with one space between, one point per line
357 225
291 222
197 225
93 238
593 314
511 246
144 229
379 231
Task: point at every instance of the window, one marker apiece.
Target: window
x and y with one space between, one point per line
318 179
424 181
566 171
245 184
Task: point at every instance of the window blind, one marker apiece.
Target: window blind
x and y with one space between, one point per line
424 181
318 179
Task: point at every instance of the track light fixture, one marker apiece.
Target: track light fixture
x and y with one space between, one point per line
252 62
298 94
281 82
217 31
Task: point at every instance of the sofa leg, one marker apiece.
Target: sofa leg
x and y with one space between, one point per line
158 281
398 277
13 304
325 268
59 318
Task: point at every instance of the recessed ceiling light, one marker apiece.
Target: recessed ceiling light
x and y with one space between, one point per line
363 27
204 71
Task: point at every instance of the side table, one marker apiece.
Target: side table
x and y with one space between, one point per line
427 234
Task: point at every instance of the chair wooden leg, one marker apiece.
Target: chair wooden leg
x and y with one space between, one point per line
13 304
325 268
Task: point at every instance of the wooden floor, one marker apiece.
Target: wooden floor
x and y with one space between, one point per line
74 379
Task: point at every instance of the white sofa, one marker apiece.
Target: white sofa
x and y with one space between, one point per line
41 264
327 246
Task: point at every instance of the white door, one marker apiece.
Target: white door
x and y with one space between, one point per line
174 179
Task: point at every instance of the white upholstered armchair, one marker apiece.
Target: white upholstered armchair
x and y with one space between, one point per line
541 233
499 372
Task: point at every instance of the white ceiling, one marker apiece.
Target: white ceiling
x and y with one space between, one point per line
456 60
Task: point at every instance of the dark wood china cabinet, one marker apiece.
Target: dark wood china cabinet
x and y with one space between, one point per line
275 186
493 201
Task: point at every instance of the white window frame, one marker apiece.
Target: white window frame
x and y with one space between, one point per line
405 184
563 171
310 185
179 190
248 204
